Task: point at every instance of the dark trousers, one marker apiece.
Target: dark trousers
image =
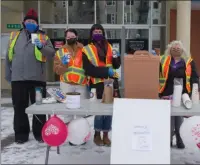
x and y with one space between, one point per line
176 122
22 91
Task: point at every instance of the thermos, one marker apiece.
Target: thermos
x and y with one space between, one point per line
38 95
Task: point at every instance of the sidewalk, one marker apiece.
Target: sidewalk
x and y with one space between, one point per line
34 152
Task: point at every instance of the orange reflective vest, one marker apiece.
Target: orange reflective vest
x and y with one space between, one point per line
75 72
13 39
91 52
165 63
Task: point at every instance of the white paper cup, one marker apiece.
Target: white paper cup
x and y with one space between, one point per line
93 95
33 37
186 101
73 100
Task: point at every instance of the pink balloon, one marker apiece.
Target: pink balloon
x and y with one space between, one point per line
54 132
198 145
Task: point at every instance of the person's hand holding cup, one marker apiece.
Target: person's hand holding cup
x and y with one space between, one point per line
66 58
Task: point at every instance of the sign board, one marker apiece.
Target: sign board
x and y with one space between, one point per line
137 44
58 44
14 26
140 131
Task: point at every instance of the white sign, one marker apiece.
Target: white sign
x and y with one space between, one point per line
142 138
140 131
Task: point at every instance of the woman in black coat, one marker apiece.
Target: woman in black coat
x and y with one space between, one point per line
103 67
177 63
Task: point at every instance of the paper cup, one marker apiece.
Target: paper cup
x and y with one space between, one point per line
33 37
73 100
186 101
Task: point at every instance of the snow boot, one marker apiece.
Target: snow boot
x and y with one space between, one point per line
97 139
106 139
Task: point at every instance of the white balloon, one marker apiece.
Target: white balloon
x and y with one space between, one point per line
190 132
79 131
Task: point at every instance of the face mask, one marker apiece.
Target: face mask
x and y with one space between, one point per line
31 27
71 41
97 37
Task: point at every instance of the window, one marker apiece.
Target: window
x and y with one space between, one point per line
56 18
110 3
54 4
129 2
55 33
155 5
110 34
155 21
70 3
64 4
111 18
128 18
146 4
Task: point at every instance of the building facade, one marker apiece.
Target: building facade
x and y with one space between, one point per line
123 21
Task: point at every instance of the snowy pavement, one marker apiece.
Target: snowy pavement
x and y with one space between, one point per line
34 152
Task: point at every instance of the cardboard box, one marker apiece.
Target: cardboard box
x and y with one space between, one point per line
141 75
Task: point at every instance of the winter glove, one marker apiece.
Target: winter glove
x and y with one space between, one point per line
110 72
38 43
115 53
65 59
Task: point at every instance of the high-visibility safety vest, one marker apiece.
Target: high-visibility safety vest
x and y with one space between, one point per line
75 72
92 55
13 39
165 63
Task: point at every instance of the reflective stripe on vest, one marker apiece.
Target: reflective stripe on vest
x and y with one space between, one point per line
12 42
165 63
75 72
92 55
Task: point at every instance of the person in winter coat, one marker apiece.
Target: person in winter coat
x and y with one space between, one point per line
25 70
176 63
68 64
99 63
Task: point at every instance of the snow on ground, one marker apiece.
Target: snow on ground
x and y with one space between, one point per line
34 152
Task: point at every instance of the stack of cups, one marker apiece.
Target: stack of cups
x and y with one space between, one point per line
177 93
93 95
34 36
195 94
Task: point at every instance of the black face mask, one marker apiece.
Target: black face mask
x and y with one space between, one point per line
71 41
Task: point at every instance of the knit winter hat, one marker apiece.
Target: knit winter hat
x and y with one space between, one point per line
31 14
